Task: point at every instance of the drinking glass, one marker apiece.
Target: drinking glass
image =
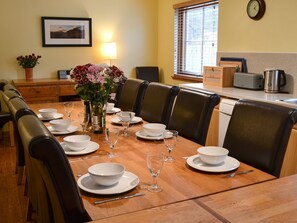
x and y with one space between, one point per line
68 107
170 139
126 118
154 162
84 119
112 135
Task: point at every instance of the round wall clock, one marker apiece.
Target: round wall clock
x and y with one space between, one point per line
256 9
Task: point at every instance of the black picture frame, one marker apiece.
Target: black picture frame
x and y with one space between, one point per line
66 32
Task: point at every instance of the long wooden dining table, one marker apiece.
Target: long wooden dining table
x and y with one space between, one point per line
181 183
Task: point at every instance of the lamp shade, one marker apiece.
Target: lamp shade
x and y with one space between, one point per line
110 50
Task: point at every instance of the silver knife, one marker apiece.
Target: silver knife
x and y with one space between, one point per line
118 198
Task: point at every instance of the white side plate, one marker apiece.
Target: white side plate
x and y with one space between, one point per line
141 134
71 129
229 164
92 147
127 182
135 120
114 110
56 116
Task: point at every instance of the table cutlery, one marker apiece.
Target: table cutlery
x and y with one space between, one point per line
119 198
238 173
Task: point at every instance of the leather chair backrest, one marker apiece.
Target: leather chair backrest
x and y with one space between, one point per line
18 108
192 113
150 74
11 88
157 103
2 84
48 157
9 94
132 95
258 134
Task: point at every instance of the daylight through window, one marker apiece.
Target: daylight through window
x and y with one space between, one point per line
195 38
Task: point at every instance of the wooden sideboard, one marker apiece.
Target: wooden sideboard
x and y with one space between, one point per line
46 90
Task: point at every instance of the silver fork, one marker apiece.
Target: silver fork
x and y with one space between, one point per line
238 173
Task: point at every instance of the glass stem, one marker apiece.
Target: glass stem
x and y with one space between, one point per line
155 184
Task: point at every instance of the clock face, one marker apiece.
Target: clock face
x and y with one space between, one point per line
253 8
256 9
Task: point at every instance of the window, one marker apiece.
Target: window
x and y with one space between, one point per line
195 37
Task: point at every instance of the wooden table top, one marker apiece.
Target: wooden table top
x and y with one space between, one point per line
179 181
185 212
273 201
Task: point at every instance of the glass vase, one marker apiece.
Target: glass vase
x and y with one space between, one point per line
98 111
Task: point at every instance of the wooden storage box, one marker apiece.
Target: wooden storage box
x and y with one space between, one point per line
218 76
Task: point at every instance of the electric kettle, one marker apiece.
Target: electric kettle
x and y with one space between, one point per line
274 79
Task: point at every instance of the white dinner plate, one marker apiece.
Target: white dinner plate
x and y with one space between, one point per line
141 134
229 164
135 120
56 116
91 147
114 110
127 182
71 129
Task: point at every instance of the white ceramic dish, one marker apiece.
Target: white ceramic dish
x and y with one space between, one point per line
114 110
154 129
60 125
229 164
92 147
77 142
117 121
127 182
212 155
141 134
106 174
71 129
56 116
47 113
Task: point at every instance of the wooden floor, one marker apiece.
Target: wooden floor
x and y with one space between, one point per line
13 203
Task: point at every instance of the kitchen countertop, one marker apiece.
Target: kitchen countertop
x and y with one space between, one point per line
237 93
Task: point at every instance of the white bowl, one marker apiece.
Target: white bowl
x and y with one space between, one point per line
60 125
154 129
47 112
109 107
77 142
212 155
126 116
106 174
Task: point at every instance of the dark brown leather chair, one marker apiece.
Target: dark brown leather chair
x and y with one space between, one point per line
192 113
131 95
258 134
157 103
2 84
50 164
18 107
148 73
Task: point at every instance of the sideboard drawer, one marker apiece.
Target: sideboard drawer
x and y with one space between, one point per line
38 91
67 89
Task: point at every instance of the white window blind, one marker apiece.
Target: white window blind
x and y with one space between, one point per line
195 37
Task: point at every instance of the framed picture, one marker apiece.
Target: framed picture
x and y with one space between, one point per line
62 31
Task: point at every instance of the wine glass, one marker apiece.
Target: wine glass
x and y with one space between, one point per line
68 107
125 118
154 162
170 139
84 119
112 135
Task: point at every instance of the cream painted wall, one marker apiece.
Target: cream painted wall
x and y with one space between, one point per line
132 24
275 32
